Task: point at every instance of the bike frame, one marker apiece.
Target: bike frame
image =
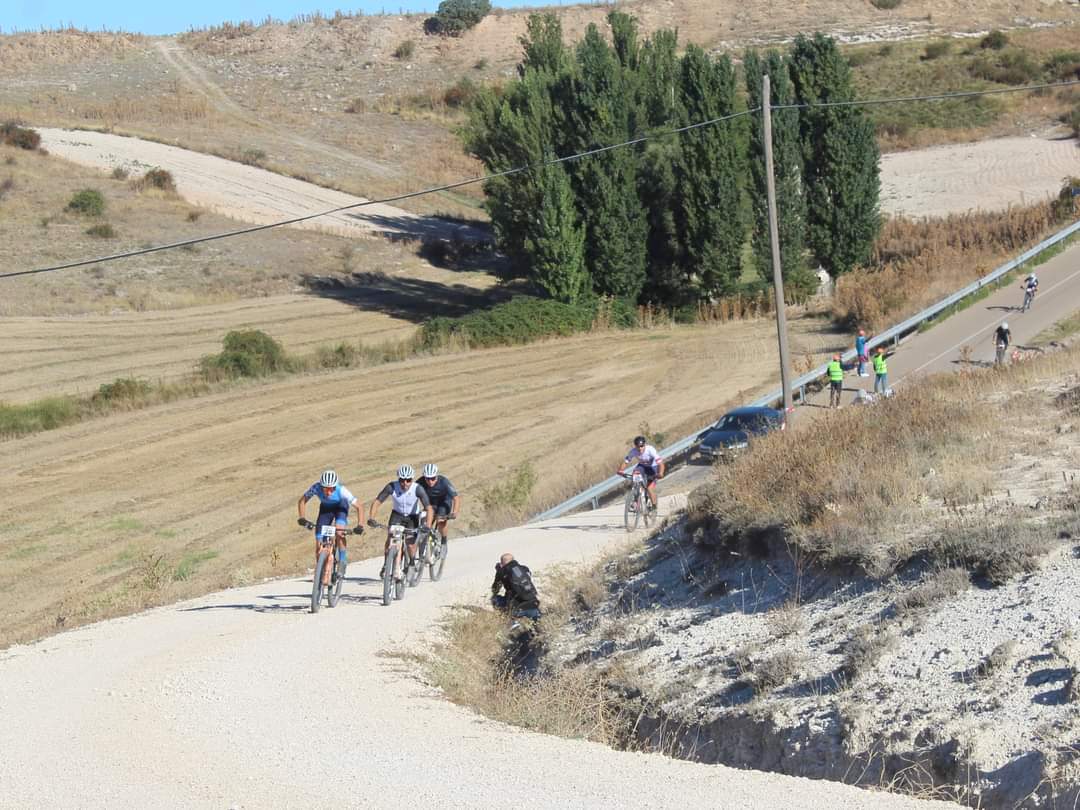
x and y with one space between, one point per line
330 535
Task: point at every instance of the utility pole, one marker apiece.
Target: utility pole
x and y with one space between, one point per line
774 242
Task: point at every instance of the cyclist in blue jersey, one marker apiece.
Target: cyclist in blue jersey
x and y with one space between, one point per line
645 458
334 503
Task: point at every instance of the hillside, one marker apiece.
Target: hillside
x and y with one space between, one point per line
326 98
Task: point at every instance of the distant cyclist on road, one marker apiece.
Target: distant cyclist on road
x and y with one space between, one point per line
334 503
1030 287
648 461
1002 339
410 506
442 495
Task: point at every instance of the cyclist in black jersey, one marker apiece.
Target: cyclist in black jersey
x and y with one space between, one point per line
444 498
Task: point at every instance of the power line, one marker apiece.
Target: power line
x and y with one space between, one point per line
381 201
525 168
935 97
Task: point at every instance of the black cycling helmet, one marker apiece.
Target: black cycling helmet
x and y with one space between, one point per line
639 441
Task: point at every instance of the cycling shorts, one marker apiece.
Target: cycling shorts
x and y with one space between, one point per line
442 508
648 471
837 385
335 514
408 521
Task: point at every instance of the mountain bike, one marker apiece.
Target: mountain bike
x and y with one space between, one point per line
638 505
432 553
398 569
999 358
1029 299
329 576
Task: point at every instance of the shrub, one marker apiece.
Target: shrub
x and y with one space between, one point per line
120 173
193 216
481 64
994 41
1065 206
936 50
405 50
461 93
161 179
455 17
343 355
1008 67
102 231
249 353
1073 120
7 185
88 202
885 5
249 157
520 320
1063 65
22 137
122 390
44 414
513 491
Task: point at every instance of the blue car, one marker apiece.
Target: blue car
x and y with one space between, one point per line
732 433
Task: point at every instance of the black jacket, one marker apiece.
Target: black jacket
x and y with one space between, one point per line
517 580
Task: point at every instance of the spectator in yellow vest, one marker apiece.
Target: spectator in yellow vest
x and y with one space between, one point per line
836 381
881 372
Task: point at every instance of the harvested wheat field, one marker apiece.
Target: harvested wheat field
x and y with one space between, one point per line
143 505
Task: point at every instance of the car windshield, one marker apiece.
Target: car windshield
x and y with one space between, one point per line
744 421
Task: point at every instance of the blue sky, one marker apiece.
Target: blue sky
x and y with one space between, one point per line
158 17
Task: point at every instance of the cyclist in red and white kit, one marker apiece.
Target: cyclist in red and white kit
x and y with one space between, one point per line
648 461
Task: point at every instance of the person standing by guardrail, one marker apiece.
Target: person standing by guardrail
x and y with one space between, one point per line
835 371
860 352
881 372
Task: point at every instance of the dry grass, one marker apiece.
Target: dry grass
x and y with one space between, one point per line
935 588
36 230
865 487
477 667
997 659
918 262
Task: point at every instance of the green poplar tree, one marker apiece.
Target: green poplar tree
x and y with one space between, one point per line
787 171
708 169
605 185
555 239
840 157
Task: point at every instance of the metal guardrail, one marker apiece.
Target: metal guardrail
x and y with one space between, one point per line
593 494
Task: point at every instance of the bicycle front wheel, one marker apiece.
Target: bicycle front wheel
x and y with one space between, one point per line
317 581
439 562
388 576
631 515
334 596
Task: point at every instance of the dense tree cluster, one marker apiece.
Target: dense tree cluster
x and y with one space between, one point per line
670 220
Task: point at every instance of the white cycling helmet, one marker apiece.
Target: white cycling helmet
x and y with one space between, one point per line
329 479
430 471
1004 324
405 471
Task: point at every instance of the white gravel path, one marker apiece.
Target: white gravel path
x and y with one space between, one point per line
243 192
243 699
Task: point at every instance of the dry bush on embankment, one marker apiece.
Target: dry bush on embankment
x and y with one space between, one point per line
918 262
909 478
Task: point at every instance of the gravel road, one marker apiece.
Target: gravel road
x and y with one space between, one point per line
244 192
243 699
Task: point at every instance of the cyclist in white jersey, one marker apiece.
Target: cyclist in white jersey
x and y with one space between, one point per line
410 506
648 461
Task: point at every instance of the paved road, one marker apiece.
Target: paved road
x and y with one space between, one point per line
243 699
940 347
